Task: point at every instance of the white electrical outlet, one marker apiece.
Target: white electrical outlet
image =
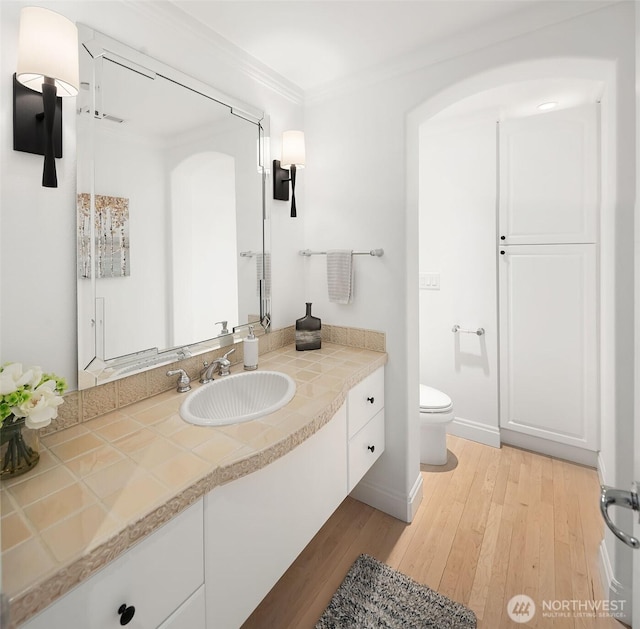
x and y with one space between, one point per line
429 281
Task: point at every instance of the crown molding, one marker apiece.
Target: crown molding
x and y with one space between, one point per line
526 21
169 12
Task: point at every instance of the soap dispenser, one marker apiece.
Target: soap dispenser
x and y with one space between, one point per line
250 345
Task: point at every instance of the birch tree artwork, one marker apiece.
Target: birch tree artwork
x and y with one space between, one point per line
111 226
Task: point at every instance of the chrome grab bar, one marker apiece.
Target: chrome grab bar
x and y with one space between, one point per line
457 328
619 498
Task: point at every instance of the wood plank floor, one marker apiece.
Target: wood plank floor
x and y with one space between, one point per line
493 523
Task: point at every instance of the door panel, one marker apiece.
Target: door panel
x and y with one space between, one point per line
549 190
548 342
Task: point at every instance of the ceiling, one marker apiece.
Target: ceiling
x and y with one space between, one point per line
316 42
520 99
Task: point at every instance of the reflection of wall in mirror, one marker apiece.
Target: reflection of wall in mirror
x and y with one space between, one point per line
203 235
218 165
134 306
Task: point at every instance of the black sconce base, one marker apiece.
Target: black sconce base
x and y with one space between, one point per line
28 122
281 179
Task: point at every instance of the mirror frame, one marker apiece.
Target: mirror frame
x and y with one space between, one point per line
98 46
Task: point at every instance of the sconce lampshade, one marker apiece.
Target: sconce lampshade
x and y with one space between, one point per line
48 47
293 153
47 63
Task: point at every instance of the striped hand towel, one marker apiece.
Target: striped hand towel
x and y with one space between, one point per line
340 275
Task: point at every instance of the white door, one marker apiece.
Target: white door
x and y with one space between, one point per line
549 177
548 342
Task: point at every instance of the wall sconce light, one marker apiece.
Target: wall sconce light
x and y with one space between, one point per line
293 157
47 67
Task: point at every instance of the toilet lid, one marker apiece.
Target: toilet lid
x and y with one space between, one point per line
433 400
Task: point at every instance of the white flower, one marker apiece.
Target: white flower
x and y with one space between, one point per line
12 377
36 376
42 407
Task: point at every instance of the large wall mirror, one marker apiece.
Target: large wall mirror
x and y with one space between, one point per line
171 254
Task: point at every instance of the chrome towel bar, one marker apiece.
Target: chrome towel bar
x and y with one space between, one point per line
457 328
372 252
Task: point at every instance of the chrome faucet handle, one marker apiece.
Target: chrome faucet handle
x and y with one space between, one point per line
184 382
225 363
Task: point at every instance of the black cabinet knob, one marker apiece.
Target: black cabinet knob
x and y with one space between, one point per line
503 237
126 613
371 399
502 252
372 448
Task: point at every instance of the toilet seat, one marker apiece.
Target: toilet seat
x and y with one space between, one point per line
434 401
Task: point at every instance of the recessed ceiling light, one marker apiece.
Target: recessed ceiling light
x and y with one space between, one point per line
547 106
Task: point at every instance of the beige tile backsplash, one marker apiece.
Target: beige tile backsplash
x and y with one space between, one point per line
84 405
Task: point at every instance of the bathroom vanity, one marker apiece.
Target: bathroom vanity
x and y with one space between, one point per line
248 501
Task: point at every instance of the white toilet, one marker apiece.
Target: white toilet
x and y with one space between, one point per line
436 411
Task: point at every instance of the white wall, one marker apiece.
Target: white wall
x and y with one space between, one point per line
37 238
363 150
457 230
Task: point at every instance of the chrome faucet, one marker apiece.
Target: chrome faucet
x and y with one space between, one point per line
184 382
221 365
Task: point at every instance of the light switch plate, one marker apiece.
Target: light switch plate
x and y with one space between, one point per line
429 281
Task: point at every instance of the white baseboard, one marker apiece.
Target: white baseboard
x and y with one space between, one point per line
550 448
475 431
615 590
415 498
395 504
602 470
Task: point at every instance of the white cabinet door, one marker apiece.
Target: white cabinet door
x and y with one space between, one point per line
190 615
548 342
257 525
549 177
154 577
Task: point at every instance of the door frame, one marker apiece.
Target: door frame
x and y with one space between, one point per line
616 316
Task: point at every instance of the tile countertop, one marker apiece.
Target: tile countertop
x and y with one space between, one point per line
102 485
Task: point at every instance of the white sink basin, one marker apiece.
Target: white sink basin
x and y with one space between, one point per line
238 398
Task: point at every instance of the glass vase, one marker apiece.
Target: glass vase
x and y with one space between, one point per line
308 331
19 447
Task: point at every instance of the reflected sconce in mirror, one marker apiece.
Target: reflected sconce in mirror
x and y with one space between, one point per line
47 68
284 170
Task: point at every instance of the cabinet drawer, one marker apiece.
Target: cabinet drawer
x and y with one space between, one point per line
365 400
156 576
365 448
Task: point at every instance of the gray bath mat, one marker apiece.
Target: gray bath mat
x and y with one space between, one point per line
373 595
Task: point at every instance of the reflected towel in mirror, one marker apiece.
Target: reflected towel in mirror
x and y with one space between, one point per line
263 271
